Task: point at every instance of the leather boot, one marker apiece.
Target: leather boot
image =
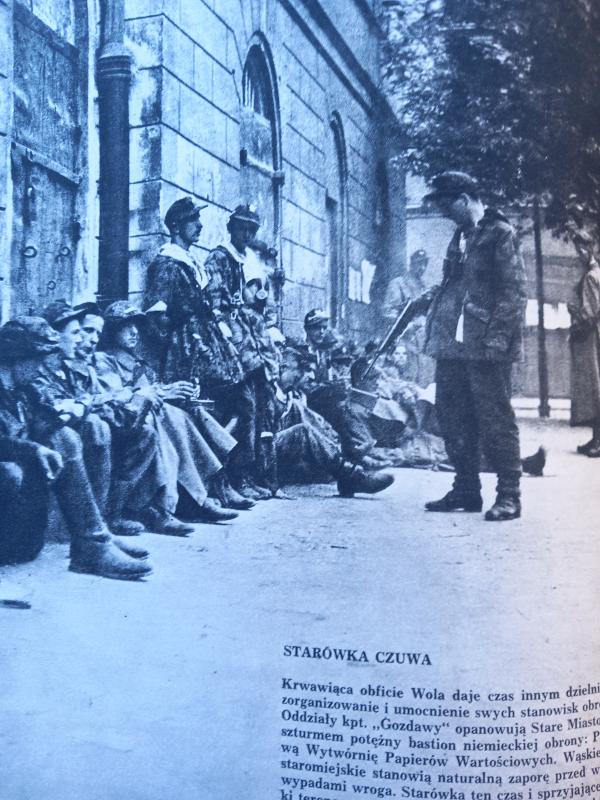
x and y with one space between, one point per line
507 506
99 555
120 526
585 448
211 512
267 463
262 492
132 550
353 479
158 520
228 496
457 500
508 498
247 488
534 465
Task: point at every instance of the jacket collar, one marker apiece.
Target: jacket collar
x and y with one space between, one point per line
177 253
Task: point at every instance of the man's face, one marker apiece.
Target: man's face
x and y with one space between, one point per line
70 338
127 337
400 357
455 208
242 234
317 334
91 328
290 372
418 266
189 231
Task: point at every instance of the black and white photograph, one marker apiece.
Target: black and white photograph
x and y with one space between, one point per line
299 399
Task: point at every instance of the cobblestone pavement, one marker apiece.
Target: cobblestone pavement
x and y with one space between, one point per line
169 689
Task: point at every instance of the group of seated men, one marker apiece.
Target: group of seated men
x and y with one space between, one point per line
190 408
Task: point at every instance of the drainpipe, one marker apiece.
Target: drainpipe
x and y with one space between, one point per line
113 79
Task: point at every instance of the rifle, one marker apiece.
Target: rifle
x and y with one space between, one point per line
408 312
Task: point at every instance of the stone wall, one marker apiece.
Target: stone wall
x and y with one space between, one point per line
6 63
186 105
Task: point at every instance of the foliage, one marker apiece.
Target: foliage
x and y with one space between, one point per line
507 90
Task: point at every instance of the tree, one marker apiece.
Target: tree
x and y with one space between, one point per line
509 91
506 88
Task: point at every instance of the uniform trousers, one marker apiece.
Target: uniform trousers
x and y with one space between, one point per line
475 415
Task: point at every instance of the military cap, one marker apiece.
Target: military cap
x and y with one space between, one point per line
27 337
419 255
245 213
122 311
59 312
182 210
315 317
452 184
89 307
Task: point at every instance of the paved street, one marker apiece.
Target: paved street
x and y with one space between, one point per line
169 689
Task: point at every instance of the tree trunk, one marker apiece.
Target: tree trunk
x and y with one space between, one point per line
544 406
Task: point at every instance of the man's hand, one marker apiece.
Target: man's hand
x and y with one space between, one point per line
180 390
50 461
423 301
151 394
225 329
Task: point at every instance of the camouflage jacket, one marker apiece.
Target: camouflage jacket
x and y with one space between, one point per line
477 313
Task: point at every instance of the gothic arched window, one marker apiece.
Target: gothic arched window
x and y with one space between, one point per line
337 221
260 151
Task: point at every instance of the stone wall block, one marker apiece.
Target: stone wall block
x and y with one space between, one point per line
178 53
204 27
204 66
144 40
145 154
144 97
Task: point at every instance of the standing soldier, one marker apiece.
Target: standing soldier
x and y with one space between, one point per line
226 283
473 330
184 339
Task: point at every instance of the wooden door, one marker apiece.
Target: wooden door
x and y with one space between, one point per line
48 100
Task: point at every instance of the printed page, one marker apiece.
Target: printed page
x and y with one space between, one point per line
218 576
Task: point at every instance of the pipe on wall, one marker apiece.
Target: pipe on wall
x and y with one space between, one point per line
113 77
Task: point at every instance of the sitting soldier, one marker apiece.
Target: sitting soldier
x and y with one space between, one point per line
226 270
38 453
308 448
140 478
191 463
329 395
259 355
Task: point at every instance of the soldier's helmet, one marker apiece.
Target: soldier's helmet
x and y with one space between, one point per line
315 317
123 311
27 337
59 312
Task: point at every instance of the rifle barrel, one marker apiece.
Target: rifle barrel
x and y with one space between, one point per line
395 331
